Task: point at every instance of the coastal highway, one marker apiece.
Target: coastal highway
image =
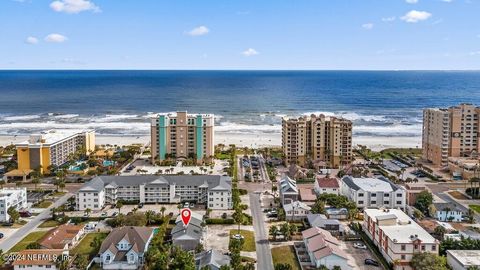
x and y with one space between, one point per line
264 255
7 244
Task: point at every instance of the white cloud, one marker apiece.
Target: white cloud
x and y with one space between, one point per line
411 1
389 19
414 16
198 31
56 38
31 40
250 52
367 26
74 6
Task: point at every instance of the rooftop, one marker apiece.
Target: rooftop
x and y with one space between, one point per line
296 205
137 237
211 257
174 114
466 257
52 136
60 236
214 182
330 182
380 184
405 230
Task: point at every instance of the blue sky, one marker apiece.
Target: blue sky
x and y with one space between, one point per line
234 34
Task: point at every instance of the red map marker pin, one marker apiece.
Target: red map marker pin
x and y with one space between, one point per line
186 216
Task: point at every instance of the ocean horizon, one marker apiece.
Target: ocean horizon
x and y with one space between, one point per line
383 105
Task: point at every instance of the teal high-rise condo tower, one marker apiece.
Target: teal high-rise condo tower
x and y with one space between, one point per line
181 135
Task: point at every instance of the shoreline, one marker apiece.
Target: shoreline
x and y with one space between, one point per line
241 140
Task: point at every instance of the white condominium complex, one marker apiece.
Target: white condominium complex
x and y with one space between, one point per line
213 190
11 197
53 148
182 135
450 132
317 138
397 236
373 192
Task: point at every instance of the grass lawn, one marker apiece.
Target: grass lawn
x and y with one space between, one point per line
84 248
59 193
285 255
31 238
49 224
475 207
43 204
458 195
249 244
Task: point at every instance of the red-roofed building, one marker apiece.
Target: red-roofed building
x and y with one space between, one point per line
329 185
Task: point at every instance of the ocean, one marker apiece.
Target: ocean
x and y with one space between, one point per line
383 105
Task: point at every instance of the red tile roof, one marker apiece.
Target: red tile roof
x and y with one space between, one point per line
327 182
58 237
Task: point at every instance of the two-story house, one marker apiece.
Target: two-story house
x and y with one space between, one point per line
125 248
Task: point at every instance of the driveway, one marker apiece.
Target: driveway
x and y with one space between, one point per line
8 242
356 257
264 255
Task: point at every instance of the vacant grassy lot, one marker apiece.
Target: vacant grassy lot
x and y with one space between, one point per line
43 204
31 238
84 248
249 244
49 224
285 255
475 207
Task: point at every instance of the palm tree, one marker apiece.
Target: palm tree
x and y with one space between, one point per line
471 216
88 211
119 205
149 216
163 209
273 231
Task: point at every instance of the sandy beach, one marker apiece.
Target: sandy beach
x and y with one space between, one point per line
242 140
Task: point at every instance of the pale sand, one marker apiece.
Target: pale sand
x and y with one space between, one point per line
242 140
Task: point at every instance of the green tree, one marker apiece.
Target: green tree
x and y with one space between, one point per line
88 211
162 210
428 261
2 182
283 266
13 213
471 216
119 206
81 262
424 200
273 231
319 207
285 231
440 231
181 259
150 216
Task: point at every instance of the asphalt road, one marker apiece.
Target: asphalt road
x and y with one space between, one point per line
7 244
264 255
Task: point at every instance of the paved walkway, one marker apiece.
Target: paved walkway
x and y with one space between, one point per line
16 237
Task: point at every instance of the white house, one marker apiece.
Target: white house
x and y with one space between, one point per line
397 236
296 210
125 248
324 249
288 190
39 259
327 185
448 212
16 197
373 192
215 191
463 259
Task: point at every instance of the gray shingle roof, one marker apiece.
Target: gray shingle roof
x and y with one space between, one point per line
136 236
214 182
212 258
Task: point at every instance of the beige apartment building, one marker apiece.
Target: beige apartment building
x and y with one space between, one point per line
450 132
182 135
317 138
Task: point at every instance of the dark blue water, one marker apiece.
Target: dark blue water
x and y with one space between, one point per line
381 103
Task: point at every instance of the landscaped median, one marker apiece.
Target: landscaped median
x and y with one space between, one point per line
475 207
31 238
248 237
285 255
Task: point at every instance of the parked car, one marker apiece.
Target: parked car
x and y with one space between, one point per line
359 245
1 235
371 262
25 214
104 214
237 236
114 214
140 205
186 205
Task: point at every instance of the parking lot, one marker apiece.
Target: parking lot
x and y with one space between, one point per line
170 208
145 167
356 257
